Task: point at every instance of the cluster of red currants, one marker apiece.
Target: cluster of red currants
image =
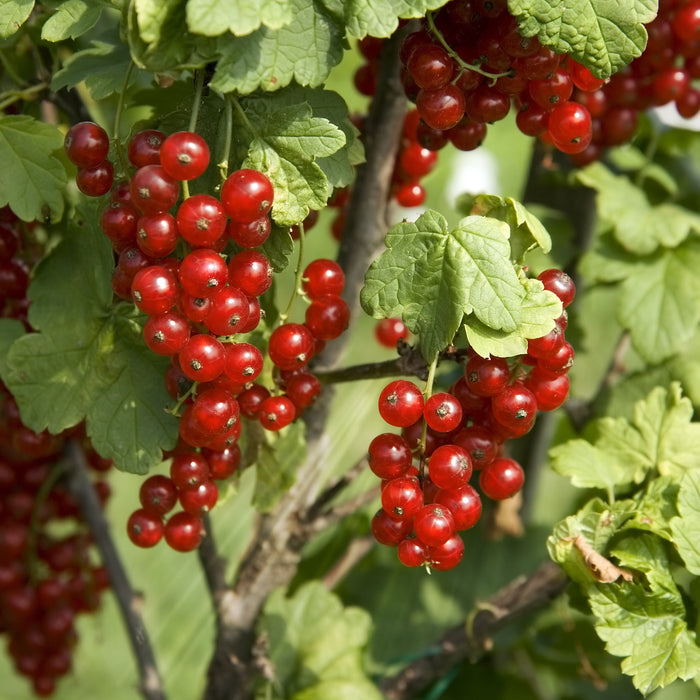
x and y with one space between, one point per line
468 65
46 578
457 432
199 300
14 268
663 74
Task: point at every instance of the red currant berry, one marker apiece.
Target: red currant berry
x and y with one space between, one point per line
200 499
247 195
214 411
402 498
442 412
515 408
188 470
481 443
487 376
250 400
244 362
250 235
441 108
321 277
184 532
434 524
144 148
412 552
401 403
166 333
202 358
223 463
118 223
291 345
464 504
389 331
96 180
447 555
276 412
184 155
86 144
158 494
388 531
550 390
144 528
501 479
201 220
251 272
560 283
154 289
389 456
327 316
450 467
303 389
153 190
203 273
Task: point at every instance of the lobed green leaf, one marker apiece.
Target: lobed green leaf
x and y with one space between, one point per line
240 17
13 14
72 19
603 35
686 527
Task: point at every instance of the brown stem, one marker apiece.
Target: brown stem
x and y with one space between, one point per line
80 486
277 544
522 596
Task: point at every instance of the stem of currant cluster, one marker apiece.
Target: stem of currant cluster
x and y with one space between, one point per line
298 275
228 121
198 88
458 60
428 393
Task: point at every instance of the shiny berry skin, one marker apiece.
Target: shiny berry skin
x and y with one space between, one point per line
402 498
487 105
389 456
410 194
153 190
154 289
188 470
214 411
184 155
388 531
481 443
247 195
447 555
515 407
559 361
223 463
464 504
251 272
450 467
183 532
441 108
442 412
550 390
86 144
401 403
166 333
200 499
546 344
412 552
276 412
202 358
501 479
434 524
291 345
144 148
560 283
157 234
416 161
244 362
430 66
251 399
303 389
553 90
327 316
487 376
250 235
158 494
686 22
144 528
201 220
96 180
389 331
569 126
582 77
202 273
119 223
323 276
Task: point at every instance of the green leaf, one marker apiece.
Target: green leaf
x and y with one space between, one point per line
102 67
95 367
35 189
526 229
603 35
638 226
278 247
590 467
10 330
287 138
278 458
539 309
656 508
240 17
597 523
607 261
645 624
433 277
660 303
72 19
316 645
380 17
302 51
686 527
13 14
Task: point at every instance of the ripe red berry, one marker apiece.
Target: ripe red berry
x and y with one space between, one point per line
201 220
434 524
389 456
450 467
153 190
501 479
202 358
447 555
401 403
166 333
560 283
144 528
184 532
323 276
276 412
389 331
412 552
158 494
247 195
464 504
96 180
86 144
200 499
154 289
327 316
144 147
291 345
487 376
402 498
389 531
184 155
442 412
251 272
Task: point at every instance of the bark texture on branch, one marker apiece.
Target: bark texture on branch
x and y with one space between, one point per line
80 486
520 597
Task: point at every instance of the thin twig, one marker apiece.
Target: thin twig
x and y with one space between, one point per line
356 551
521 597
81 488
